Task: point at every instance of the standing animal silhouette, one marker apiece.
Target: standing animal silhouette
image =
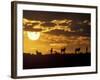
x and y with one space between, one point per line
63 50
51 50
38 53
77 50
86 49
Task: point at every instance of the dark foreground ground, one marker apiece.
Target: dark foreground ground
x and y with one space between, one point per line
55 60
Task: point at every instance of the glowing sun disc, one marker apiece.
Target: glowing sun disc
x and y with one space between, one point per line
33 35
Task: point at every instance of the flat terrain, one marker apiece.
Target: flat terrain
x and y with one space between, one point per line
31 61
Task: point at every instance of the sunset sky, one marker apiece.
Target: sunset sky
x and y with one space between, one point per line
44 30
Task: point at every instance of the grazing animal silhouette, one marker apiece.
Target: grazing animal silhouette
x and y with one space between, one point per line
77 50
38 53
55 52
63 50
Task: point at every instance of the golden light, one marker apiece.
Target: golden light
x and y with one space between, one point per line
33 35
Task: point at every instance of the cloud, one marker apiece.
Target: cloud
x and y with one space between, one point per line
63 24
81 26
66 27
48 24
67 33
33 29
32 25
61 21
55 40
27 21
44 26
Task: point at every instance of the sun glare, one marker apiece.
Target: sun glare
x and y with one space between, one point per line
33 35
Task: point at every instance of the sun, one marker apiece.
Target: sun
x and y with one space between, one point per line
33 35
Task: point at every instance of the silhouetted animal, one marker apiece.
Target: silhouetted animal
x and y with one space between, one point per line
55 52
77 50
63 50
38 53
51 51
86 49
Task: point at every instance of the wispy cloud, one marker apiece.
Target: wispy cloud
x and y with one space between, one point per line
55 40
66 27
44 26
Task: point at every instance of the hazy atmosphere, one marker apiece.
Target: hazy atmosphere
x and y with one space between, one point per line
45 30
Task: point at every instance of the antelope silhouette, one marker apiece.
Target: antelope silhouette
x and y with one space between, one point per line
77 50
51 50
63 50
38 53
86 49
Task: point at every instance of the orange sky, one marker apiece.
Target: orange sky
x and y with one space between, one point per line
47 41
43 30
